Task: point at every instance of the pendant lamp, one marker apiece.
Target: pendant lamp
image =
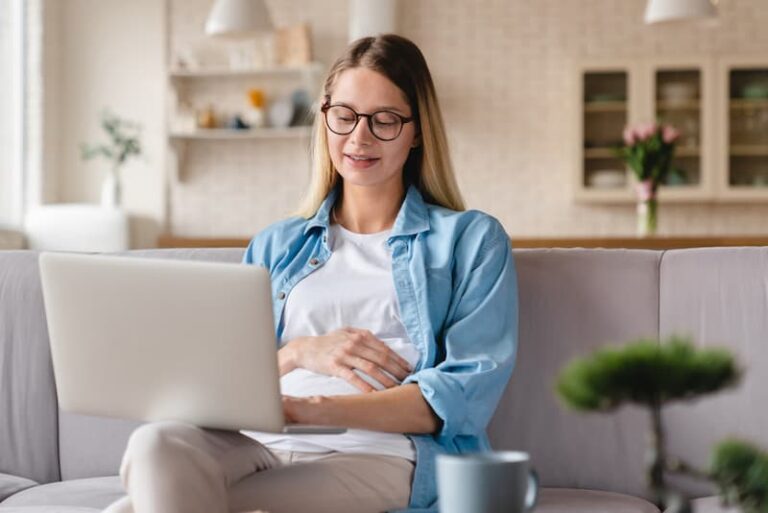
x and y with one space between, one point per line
238 19
659 11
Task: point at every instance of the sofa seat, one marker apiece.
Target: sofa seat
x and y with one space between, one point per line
10 485
72 496
95 494
571 500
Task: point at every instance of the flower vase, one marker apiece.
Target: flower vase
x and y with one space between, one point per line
110 190
647 208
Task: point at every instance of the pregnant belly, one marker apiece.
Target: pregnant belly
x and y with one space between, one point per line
304 383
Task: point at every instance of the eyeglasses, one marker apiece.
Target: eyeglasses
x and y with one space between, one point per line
383 124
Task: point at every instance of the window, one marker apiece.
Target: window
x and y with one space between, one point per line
12 87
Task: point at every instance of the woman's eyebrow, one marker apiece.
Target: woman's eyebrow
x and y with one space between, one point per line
379 108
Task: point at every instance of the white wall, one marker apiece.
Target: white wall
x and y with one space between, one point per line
108 53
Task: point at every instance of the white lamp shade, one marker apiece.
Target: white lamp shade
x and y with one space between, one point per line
238 18
658 11
371 18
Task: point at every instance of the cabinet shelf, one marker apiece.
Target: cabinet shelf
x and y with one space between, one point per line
605 106
749 150
741 104
255 133
693 105
178 74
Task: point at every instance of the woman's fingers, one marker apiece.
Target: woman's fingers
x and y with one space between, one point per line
351 377
373 370
391 356
383 360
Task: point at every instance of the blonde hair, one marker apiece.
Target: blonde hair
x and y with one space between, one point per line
428 165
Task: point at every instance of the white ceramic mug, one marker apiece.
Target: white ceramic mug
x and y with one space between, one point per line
491 482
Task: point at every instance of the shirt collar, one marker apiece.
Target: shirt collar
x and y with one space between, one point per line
412 218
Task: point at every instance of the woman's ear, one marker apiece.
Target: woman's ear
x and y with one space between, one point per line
416 141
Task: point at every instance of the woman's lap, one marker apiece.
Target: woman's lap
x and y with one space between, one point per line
259 479
332 482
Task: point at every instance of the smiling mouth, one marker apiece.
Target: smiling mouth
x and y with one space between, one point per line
361 158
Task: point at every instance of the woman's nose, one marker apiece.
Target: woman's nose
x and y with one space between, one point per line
362 132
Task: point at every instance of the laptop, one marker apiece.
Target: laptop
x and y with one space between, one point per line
160 339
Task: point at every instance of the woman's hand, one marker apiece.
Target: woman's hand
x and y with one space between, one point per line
340 352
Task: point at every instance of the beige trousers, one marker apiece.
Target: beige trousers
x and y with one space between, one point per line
171 467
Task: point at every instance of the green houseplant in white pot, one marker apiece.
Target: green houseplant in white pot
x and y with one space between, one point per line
123 144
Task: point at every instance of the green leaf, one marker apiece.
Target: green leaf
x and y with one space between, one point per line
645 372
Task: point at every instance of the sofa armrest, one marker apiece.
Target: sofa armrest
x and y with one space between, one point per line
13 484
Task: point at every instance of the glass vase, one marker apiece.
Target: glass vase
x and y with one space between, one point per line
647 209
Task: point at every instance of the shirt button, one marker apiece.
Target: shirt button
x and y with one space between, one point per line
281 296
314 262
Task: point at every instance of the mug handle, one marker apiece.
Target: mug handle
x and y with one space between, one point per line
532 495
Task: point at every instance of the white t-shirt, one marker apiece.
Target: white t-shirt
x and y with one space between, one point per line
353 289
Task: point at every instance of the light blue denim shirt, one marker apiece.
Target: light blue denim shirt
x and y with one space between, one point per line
456 286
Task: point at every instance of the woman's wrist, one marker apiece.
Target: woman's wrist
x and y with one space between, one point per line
287 358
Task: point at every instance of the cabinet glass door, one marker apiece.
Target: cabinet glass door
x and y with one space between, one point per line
678 103
748 128
605 113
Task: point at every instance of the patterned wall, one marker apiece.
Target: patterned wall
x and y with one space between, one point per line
504 73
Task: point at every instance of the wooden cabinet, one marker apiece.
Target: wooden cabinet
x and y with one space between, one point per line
743 123
717 104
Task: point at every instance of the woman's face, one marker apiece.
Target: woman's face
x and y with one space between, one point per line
359 157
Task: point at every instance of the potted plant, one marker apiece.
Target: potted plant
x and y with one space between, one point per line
653 374
123 144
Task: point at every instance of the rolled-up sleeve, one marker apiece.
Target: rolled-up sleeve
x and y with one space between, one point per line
479 341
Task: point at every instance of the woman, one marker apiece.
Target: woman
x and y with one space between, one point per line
396 314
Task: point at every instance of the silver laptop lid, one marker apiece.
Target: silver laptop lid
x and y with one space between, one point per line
152 339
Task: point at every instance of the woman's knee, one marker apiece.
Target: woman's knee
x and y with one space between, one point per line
157 437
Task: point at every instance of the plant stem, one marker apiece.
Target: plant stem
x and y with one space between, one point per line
657 461
677 466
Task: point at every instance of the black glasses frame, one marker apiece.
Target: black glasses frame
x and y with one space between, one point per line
369 119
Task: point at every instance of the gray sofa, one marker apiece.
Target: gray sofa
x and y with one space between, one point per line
571 301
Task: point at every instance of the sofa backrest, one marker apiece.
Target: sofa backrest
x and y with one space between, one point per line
572 302
28 408
720 298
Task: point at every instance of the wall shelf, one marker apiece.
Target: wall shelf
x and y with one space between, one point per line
257 133
176 74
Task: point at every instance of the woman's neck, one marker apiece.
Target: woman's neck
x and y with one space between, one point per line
368 209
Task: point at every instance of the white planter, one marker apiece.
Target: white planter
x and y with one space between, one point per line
111 193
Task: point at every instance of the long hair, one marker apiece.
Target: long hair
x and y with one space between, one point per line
428 165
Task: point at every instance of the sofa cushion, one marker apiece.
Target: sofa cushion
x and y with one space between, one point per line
28 422
96 493
572 302
13 484
569 500
719 297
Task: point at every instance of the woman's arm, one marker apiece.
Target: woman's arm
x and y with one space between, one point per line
401 409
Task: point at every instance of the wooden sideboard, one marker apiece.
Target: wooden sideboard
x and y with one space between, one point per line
169 241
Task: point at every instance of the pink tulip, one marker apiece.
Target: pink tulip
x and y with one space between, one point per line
630 137
670 134
646 130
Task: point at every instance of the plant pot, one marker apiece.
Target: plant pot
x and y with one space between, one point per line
111 193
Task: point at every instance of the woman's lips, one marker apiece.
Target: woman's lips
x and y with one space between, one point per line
363 163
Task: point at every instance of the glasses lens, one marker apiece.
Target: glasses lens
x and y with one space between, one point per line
386 125
341 119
